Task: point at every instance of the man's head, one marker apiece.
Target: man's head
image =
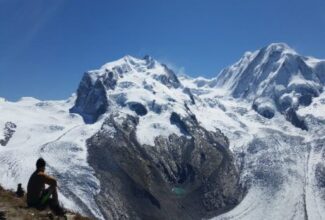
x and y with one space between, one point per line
40 164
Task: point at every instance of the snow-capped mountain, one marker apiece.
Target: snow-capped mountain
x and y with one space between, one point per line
274 78
159 161
275 70
126 79
139 142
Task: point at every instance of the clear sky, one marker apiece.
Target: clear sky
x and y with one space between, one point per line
47 45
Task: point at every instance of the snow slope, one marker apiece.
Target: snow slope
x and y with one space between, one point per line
277 163
46 129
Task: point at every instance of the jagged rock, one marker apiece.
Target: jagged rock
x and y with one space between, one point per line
296 120
181 177
189 93
8 131
91 99
169 79
320 175
176 120
265 111
138 108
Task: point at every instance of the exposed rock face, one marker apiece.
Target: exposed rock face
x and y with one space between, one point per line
320 176
320 167
182 177
296 120
265 111
92 100
138 108
9 131
169 79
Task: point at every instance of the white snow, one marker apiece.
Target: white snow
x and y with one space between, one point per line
316 109
152 126
313 62
299 81
2 126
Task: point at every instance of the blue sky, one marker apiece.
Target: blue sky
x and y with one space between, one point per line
47 45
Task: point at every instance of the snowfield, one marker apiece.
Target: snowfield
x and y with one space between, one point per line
278 163
46 129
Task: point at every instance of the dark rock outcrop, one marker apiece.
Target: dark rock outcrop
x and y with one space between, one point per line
91 99
175 119
138 108
295 119
8 132
265 112
181 177
320 178
320 175
189 93
169 79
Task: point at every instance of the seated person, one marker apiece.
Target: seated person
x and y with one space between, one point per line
40 197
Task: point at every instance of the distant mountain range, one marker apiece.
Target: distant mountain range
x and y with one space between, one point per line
139 142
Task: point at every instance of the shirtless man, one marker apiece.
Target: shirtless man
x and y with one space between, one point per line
40 197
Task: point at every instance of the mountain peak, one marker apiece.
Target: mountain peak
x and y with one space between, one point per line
115 83
275 76
279 47
129 62
148 57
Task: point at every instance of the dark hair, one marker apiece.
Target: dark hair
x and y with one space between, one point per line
40 163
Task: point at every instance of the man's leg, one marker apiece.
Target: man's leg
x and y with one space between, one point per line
54 201
49 197
54 193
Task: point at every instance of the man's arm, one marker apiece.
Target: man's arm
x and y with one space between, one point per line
48 180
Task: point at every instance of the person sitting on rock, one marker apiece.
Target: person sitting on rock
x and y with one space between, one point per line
40 197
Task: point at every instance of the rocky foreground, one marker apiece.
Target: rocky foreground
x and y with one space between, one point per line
14 208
